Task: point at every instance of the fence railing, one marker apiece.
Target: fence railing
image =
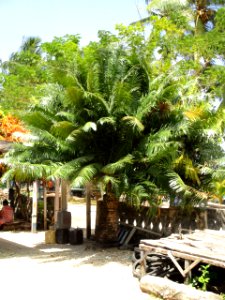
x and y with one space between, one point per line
166 220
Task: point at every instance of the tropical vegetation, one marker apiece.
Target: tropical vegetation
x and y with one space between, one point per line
140 111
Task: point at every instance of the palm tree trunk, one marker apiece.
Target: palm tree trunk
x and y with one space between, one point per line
106 230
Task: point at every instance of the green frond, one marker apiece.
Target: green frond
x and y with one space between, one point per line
157 151
38 120
205 170
93 79
176 183
98 97
146 104
66 115
62 129
75 135
107 120
184 164
134 122
28 172
70 170
86 174
139 194
218 174
106 179
117 166
167 5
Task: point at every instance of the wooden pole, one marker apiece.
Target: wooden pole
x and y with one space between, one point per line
34 207
56 202
88 210
45 205
64 194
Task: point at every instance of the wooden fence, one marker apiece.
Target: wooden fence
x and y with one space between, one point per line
163 221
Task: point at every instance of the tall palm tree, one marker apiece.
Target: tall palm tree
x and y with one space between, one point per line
88 132
116 114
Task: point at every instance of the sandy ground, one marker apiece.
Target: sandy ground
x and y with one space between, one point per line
32 269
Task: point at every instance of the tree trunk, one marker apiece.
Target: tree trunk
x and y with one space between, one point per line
106 230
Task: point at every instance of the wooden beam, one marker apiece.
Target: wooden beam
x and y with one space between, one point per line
175 262
133 230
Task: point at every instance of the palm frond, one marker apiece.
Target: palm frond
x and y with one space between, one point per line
28 172
139 194
93 79
75 135
38 119
62 129
176 183
70 169
118 165
134 122
86 174
106 179
167 5
107 120
184 164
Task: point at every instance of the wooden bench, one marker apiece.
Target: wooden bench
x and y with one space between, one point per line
16 225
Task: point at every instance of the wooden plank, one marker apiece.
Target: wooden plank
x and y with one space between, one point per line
176 263
191 266
185 247
211 261
127 240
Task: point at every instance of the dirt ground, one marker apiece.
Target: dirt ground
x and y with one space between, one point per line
32 269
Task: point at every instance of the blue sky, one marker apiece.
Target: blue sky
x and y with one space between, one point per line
49 18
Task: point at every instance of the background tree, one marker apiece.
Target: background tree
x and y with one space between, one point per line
23 77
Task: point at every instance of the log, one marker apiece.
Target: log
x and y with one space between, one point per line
170 290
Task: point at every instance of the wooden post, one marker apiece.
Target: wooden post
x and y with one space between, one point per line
45 205
64 194
34 207
56 202
88 210
188 275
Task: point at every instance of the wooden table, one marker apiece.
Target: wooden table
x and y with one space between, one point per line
201 246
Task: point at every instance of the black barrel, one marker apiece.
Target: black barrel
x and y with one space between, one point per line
76 236
62 236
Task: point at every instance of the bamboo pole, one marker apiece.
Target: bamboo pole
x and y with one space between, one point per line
34 207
